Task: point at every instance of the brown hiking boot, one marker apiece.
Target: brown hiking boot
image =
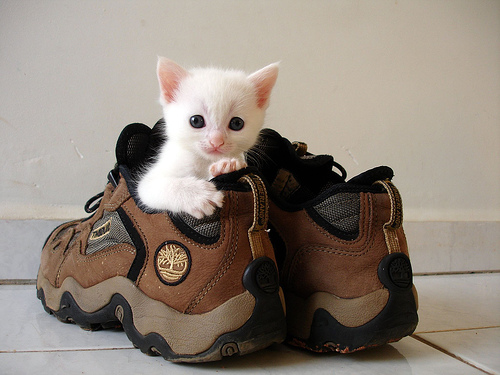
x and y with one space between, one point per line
187 289
340 248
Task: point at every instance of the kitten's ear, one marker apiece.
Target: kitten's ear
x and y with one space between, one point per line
264 80
170 76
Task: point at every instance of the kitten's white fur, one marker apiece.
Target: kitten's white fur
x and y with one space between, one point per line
178 180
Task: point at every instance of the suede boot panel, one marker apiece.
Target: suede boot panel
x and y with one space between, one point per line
318 261
64 253
89 270
54 251
216 270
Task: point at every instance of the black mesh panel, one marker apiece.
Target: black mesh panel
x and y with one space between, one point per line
209 226
106 232
341 211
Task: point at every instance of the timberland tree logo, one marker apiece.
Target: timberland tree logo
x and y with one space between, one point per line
172 262
101 231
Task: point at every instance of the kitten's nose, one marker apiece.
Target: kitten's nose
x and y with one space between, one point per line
216 140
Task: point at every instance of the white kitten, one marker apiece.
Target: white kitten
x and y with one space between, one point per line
212 117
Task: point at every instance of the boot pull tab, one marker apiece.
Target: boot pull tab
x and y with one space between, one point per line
260 214
300 148
396 220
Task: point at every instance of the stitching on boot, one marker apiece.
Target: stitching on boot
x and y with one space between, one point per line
227 259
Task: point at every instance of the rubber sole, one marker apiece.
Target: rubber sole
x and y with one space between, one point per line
262 326
397 319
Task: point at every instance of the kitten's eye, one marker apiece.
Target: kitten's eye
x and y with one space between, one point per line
197 121
236 123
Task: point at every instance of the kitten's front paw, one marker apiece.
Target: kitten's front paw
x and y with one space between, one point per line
204 200
224 166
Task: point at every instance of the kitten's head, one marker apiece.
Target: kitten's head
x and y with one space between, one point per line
213 112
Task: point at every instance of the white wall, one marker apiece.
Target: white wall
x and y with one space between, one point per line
408 83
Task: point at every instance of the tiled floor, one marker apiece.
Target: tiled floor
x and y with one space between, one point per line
459 333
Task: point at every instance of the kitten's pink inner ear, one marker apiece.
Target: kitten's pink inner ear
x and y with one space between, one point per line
170 76
264 81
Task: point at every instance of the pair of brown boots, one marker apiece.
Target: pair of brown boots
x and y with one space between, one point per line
296 254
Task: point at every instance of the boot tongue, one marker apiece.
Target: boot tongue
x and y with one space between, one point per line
138 144
132 146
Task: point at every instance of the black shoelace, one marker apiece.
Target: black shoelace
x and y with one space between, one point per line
89 208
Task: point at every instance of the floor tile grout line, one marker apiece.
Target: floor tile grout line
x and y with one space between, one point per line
62 350
451 273
448 353
456 330
17 281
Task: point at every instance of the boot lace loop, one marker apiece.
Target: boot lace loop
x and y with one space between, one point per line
89 208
